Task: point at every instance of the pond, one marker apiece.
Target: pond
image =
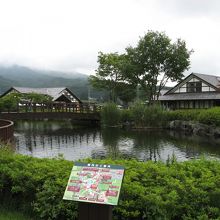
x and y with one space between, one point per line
53 138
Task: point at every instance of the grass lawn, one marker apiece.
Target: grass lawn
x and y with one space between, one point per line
6 214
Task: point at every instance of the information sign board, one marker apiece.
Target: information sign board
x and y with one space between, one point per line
94 183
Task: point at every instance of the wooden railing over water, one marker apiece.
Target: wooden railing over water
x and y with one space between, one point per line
53 110
6 130
58 107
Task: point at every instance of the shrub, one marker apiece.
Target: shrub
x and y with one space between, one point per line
35 185
187 190
147 115
126 115
137 113
110 114
154 115
206 116
184 115
9 102
210 116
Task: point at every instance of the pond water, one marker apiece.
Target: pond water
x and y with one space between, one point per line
52 138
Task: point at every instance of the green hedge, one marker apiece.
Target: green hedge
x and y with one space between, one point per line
187 190
184 115
210 116
206 116
154 116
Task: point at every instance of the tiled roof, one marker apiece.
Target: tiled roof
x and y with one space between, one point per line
213 80
53 92
190 96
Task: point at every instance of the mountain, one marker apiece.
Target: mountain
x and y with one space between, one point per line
66 75
5 84
26 77
37 78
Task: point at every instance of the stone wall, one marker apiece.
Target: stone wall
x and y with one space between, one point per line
195 128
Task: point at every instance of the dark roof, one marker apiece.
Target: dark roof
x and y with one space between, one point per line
55 93
212 80
190 96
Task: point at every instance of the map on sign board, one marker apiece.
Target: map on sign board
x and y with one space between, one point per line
94 183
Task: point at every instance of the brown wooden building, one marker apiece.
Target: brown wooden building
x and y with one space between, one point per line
195 91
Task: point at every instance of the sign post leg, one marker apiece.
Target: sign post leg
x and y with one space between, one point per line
89 211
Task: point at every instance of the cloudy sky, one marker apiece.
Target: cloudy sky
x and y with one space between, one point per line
68 34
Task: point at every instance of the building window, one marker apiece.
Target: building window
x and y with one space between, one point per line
194 87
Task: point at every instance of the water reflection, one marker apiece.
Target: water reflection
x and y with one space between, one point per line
50 138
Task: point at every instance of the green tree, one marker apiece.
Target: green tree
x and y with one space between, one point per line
35 97
109 76
154 61
9 102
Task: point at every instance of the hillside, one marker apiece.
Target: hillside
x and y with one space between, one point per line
26 77
5 84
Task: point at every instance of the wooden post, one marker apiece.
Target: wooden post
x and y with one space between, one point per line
91 211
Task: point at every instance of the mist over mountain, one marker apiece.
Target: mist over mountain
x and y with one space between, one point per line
26 77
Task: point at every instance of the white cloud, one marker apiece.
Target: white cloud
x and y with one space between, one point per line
68 34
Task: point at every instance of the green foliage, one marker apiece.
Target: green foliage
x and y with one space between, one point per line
110 114
35 97
154 61
210 116
126 115
137 113
8 214
154 116
184 115
187 190
109 76
144 115
36 185
9 102
149 65
206 116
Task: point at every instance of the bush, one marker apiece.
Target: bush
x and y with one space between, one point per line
184 115
137 114
187 190
154 115
9 103
110 114
210 116
147 115
35 186
126 115
206 116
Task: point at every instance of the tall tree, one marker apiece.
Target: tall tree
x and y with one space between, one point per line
154 61
109 76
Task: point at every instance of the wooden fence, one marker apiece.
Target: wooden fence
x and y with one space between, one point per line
57 107
6 130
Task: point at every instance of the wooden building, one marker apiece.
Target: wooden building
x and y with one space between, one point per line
195 91
57 94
